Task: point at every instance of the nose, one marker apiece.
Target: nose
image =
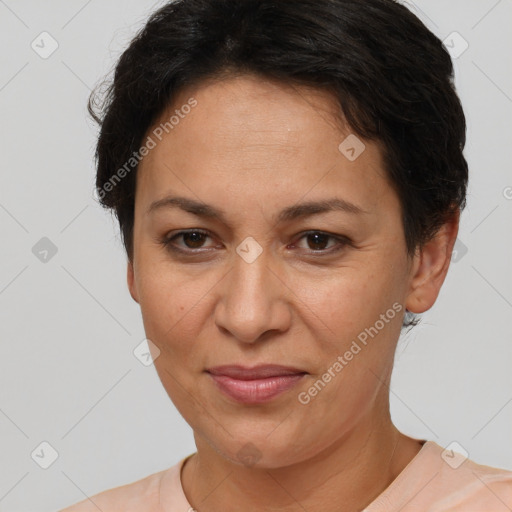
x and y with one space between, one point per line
254 301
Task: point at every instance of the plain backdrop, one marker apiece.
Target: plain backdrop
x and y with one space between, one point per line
68 375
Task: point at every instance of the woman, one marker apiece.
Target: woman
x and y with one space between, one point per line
288 178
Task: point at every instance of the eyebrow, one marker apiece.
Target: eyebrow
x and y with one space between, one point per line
297 211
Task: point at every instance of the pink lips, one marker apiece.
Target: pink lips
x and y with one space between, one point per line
255 385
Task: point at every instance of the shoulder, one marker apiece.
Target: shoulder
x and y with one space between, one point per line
459 484
443 480
474 487
140 496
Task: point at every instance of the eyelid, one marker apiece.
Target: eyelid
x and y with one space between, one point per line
342 242
167 240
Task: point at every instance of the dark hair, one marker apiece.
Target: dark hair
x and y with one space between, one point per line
392 77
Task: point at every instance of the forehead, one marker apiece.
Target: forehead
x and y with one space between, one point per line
250 136
248 108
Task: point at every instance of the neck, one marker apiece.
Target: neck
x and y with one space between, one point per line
348 476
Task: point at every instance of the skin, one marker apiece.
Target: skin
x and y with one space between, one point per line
252 147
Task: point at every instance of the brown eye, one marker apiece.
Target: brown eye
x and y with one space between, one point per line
190 241
318 241
194 239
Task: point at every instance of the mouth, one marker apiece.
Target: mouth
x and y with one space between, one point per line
255 385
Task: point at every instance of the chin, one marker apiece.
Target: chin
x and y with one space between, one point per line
262 448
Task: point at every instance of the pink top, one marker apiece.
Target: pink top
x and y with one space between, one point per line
435 480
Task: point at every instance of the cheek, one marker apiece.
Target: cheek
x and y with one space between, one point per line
338 407
168 307
360 314
347 302
170 311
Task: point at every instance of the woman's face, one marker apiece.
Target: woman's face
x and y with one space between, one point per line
295 254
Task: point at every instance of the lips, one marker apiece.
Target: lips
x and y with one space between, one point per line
255 385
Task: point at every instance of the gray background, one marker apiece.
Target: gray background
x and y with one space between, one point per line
68 326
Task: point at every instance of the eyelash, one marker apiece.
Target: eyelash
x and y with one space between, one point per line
342 242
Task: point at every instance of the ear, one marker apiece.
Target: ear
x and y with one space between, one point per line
430 266
130 277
